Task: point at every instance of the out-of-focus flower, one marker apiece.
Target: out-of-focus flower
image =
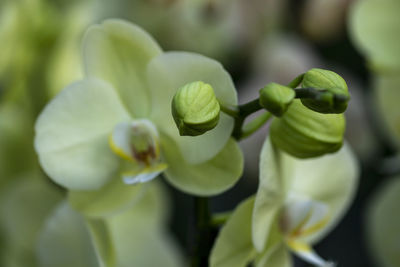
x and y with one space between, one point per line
383 222
298 202
36 58
26 201
135 237
387 95
374 29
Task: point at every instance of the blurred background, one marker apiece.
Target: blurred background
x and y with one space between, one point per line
257 41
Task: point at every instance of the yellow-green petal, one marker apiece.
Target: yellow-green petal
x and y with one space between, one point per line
112 198
383 222
233 246
139 235
102 242
205 179
65 241
72 135
271 193
277 256
169 72
118 52
331 180
135 237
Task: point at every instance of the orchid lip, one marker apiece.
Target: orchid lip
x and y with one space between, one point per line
137 142
301 218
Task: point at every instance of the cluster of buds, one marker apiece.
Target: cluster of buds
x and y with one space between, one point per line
313 124
309 120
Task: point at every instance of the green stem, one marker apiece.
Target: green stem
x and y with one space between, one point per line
204 232
220 218
232 111
249 108
255 124
296 82
244 111
237 128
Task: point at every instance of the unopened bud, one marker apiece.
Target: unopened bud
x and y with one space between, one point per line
304 133
334 92
195 109
276 98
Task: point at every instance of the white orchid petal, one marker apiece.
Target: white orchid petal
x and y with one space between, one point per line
331 179
302 216
71 135
295 214
319 218
144 175
306 253
270 195
117 52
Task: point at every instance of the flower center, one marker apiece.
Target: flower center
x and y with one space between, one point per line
300 219
137 142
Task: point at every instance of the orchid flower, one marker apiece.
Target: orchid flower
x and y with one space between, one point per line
297 203
114 128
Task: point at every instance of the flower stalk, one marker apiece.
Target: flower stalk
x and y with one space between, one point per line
204 238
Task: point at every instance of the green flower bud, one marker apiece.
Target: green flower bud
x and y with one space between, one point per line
335 94
195 109
276 98
304 133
